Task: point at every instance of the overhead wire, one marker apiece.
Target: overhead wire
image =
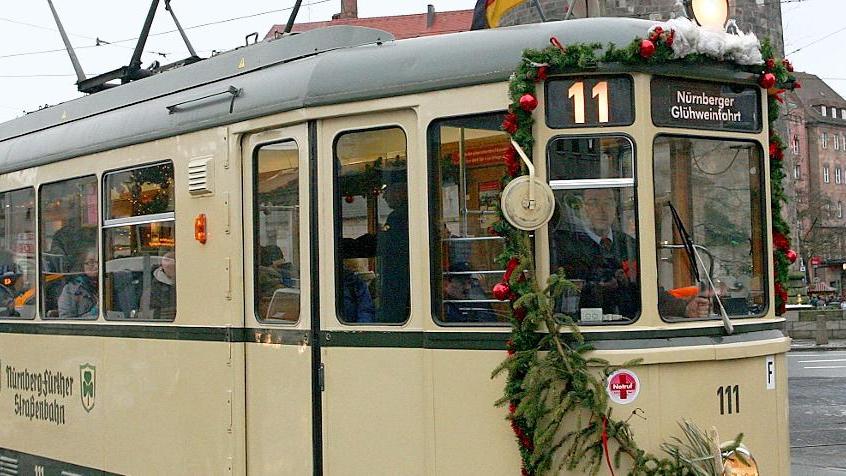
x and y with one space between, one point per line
116 43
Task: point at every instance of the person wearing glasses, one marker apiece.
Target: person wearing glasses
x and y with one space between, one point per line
79 295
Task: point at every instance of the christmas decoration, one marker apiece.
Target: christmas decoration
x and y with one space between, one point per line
528 102
647 49
349 199
791 256
537 361
767 80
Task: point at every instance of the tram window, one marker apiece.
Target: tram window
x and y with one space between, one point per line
465 155
17 254
371 197
594 240
139 241
276 232
70 261
593 235
590 158
713 190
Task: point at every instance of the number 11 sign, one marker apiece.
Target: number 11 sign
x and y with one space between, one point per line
589 101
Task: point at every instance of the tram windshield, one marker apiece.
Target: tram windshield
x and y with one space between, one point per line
710 224
593 237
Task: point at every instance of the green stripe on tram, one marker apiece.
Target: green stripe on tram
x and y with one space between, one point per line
16 462
367 338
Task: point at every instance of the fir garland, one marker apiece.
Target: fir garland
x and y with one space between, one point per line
550 377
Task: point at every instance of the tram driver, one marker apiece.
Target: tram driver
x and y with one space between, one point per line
593 249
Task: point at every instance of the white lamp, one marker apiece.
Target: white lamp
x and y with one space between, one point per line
708 13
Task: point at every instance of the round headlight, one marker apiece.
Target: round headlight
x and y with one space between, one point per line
709 13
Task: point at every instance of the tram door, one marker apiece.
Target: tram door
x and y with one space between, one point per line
277 301
373 286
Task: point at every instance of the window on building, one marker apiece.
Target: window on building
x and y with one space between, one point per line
796 171
371 200
839 209
824 140
795 145
823 110
826 178
17 254
139 243
843 141
836 141
276 232
833 113
843 113
466 153
70 262
837 177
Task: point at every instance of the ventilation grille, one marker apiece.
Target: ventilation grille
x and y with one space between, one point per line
201 176
8 466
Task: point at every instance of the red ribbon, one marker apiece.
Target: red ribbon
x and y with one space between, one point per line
557 43
605 444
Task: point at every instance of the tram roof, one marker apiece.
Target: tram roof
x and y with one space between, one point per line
320 67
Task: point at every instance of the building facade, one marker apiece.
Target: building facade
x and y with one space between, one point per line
815 163
763 17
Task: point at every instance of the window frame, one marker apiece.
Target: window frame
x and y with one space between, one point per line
36 249
610 183
435 220
826 174
108 224
256 249
837 175
765 219
41 312
338 226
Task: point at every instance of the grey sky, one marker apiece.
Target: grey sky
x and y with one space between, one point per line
29 80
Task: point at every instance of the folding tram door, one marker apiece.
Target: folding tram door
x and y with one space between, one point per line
281 383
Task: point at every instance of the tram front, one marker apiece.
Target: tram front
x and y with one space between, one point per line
662 226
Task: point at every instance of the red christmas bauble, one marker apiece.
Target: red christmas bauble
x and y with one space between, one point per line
647 49
791 256
767 80
349 199
528 102
770 64
656 33
501 291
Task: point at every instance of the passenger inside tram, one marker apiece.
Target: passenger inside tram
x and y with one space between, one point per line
163 292
79 297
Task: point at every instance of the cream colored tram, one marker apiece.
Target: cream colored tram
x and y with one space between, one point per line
329 223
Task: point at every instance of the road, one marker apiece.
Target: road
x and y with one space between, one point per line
817 386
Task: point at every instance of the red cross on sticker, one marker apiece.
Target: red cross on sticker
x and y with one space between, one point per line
622 386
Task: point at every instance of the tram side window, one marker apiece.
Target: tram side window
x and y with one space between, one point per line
465 155
70 262
710 226
371 213
276 232
17 254
139 241
593 235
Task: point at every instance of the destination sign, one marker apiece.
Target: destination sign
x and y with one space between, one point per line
705 105
589 101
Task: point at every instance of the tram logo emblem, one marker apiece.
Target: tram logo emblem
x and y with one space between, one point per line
87 385
623 386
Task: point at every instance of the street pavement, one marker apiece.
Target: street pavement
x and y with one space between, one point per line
817 387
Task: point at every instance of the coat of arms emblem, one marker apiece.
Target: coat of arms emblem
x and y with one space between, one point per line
87 385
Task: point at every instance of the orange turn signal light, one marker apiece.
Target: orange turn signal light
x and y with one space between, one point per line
200 228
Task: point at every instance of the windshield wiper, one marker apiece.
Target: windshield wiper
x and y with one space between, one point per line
693 258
